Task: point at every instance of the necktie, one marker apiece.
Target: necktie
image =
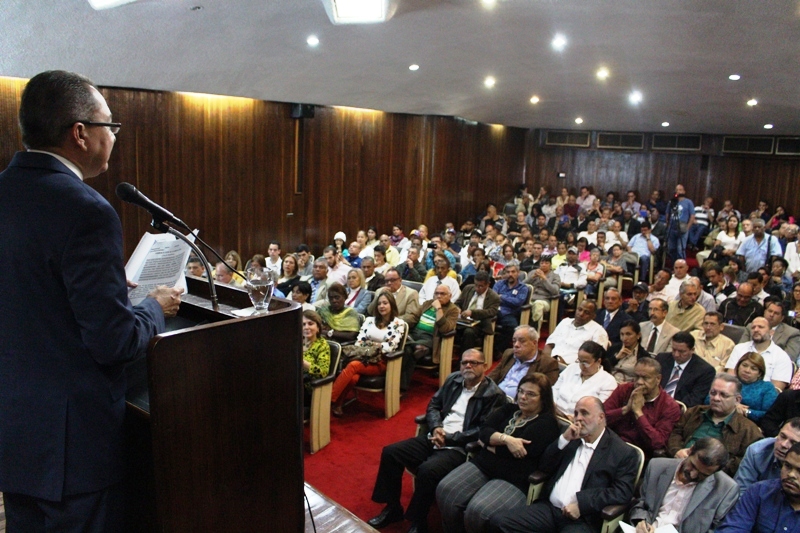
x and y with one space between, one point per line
651 344
474 303
672 384
607 320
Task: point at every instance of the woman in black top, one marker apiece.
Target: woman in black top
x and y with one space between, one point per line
513 438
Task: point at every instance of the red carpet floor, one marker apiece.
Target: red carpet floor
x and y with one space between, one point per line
345 469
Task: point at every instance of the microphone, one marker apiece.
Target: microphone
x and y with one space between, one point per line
128 193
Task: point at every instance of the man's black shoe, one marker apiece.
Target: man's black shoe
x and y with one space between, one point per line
389 515
418 528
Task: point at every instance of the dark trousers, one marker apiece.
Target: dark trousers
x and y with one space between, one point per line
471 337
506 325
94 512
431 466
541 517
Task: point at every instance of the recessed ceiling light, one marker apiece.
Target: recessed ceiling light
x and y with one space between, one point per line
312 40
603 73
579 120
665 124
489 4
752 102
559 42
358 11
489 81
635 97
767 126
534 99
413 67
734 77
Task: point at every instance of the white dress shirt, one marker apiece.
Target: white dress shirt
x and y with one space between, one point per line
570 387
566 489
566 338
778 362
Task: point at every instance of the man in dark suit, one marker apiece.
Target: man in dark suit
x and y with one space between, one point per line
479 305
713 495
685 376
66 336
612 317
591 468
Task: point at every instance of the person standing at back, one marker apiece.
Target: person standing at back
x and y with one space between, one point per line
66 336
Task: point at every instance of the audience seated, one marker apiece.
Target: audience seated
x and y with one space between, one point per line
757 395
384 332
341 323
545 286
621 359
572 276
693 495
584 377
234 260
786 407
590 468
411 269
301 293
594 269
659 289
741 309
764 458
685 376
407 299
769 506
785 336
454 417
721 420
316 351
512 441
273 260
305 261
523 359
435 317
373 279
570 334
479 305
513 295
710 344
611 317
224 275
195 267
778 363
637 307
291 274
358 297
657 333
319 282
439 276
685 313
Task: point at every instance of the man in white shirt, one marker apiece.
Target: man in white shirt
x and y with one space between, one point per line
571 333
441 267
680 273
784 335
274 261
337 270
693 495
779 365
580 485
659 287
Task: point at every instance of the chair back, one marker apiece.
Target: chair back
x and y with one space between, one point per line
336 354
733 332
416 285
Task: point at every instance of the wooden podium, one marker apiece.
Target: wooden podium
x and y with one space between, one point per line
219 404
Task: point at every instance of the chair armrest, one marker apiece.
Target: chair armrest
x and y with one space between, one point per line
473 447
610 512
322 381
526 306
394 355
420 419
447 335
660 453
347 343
537 477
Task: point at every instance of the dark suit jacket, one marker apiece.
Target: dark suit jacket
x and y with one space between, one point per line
608 480
544 364
376 282
695 381
613 326
491 305
66 333
711 499
785 407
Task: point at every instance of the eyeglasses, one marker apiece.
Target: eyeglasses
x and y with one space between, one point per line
391 280
471 363
113 127
586 364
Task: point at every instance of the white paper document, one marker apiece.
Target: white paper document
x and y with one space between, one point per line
159 259
627 528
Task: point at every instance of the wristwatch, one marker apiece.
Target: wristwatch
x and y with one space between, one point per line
330 333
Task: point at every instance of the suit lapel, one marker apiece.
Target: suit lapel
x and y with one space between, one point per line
662 484
702 490
598 457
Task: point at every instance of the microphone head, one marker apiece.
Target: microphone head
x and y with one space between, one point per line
126 192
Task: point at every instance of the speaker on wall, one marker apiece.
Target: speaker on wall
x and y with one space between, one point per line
302 111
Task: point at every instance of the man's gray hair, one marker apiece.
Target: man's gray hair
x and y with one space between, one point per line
729 378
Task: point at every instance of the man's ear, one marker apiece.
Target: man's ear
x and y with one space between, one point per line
77 136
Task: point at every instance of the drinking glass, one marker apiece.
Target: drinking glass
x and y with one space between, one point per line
260 284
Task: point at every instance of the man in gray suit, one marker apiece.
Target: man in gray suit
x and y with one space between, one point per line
711 492
785 336
664 331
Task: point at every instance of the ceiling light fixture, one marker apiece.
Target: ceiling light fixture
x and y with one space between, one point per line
312 40
665 124
579 120
635 97
108 4
534 99
603 73
752 102
768 126
359 11
414 67
734 77
559 42
489 81
489 4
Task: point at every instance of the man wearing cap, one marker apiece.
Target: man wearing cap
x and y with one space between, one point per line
638 307
545 284
571 274
645 244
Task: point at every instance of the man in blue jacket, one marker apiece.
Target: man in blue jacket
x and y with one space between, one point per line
67 333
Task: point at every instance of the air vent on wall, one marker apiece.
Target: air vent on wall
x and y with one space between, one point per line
788 146
577 139
747 145
620 141
686 143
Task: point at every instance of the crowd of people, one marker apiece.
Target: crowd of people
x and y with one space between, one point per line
695 366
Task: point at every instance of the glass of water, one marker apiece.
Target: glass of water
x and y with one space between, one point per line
260 283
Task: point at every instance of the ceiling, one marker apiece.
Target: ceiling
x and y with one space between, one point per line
678 53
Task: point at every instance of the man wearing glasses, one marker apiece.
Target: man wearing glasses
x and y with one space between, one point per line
454 416
407 299
692 494
721 420
65 336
